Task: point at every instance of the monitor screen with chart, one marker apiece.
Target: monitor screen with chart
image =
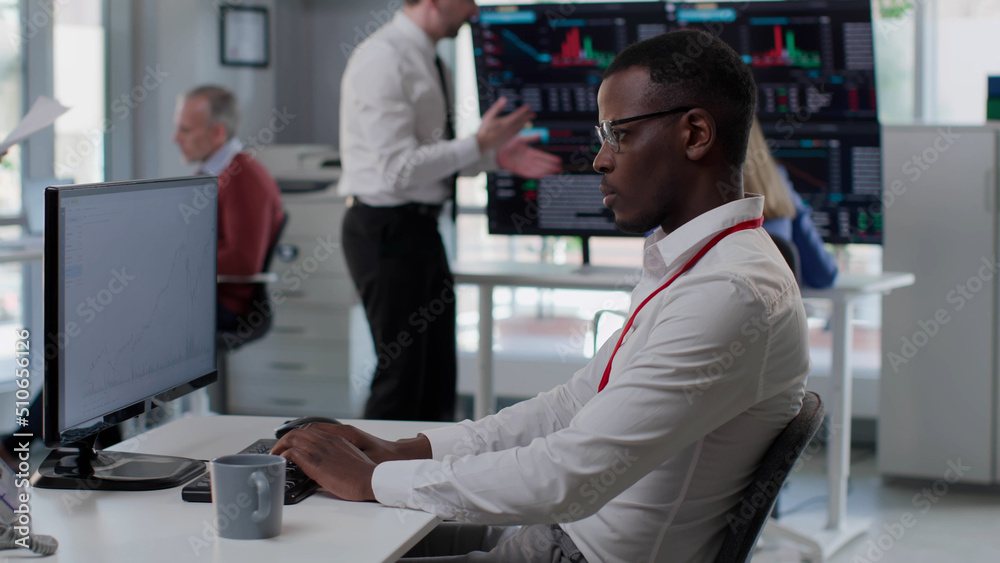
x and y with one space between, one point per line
552 57
813 62
130 282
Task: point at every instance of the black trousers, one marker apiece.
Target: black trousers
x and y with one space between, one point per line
398 264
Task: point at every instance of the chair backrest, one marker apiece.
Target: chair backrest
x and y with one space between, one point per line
258 327
790 254
746 520
274 244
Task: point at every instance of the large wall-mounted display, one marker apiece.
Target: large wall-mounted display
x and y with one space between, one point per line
814 66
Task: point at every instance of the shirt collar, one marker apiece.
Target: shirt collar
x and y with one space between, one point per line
412 33
662 251
221 158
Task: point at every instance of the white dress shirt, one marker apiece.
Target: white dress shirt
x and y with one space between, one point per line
222 158
392 122
709 373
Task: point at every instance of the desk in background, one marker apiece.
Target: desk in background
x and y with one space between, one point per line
24 249
157 526
822 539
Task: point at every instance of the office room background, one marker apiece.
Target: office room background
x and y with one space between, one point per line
120 65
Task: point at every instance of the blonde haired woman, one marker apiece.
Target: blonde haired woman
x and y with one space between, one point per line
785 214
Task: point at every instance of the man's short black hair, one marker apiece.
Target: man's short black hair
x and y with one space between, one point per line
695 68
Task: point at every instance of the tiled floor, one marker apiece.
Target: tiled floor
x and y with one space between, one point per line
957 524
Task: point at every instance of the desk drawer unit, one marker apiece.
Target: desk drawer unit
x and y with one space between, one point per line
289 396
301 367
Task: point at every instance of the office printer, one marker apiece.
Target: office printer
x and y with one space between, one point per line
301 167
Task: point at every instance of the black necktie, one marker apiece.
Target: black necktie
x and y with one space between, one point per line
449 133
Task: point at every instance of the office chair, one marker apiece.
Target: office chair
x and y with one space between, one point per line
790 254
747 519
258 322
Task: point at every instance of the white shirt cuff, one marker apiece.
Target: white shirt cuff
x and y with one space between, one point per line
392 482
454 439
467 151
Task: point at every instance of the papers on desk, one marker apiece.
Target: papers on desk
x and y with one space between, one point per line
43 113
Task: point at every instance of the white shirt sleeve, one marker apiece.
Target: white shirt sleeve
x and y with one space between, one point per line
667 390
386 118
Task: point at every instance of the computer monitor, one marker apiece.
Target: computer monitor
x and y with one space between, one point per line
837 169
813 60
814 64
552 57
815 70
130 289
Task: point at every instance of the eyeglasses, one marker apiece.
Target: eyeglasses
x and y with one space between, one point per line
607 134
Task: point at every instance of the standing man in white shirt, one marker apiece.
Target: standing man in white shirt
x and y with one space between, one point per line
400 159
641 455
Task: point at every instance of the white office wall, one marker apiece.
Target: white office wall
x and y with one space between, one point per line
315 38
176 47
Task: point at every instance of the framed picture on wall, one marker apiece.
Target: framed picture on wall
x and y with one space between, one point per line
244 36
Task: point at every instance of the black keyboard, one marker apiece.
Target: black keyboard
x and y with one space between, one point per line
297 485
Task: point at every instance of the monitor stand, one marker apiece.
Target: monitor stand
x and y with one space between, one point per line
585 248
80 466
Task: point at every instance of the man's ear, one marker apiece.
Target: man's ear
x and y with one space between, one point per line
700 133
219 133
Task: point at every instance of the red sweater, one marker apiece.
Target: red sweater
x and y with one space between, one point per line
249 216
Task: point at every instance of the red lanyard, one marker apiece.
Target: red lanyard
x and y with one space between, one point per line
751 224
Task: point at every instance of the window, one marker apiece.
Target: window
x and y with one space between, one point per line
964 53
894 30
11 110
10 104
79 66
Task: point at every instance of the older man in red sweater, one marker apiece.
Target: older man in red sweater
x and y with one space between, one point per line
250 210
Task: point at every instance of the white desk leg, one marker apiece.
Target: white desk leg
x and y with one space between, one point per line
838 463
484 401
823 541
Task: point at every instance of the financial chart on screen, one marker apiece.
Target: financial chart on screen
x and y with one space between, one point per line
837 169
139 290
814 58
813 62
552 57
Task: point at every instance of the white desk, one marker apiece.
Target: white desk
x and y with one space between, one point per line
824 539
24 249
820 538
559 276
157 526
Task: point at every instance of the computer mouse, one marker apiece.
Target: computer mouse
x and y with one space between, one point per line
290 425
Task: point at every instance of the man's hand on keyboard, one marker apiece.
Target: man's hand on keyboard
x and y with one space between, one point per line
377 449
330 460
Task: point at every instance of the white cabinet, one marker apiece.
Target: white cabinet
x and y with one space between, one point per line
938 402
303 365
